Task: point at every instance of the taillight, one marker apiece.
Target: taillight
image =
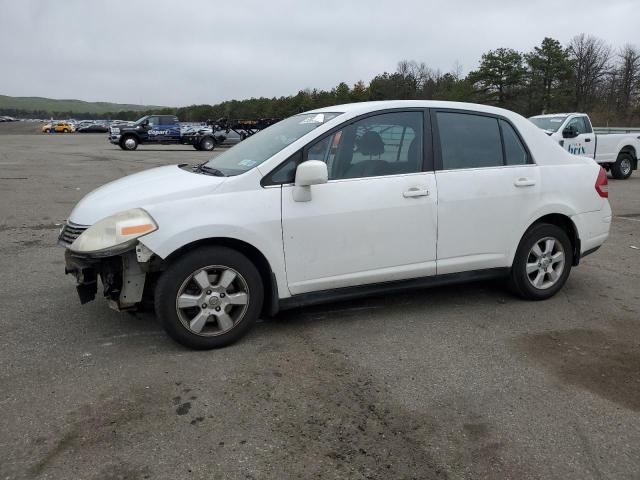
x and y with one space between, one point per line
602 184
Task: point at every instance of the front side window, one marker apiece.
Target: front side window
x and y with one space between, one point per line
469 141
263 145
380 145
154 121
579 125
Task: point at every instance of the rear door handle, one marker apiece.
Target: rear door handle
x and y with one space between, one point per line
587 139
524 182
415 192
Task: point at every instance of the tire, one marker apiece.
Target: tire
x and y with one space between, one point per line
65 130
553 275
623 167
207 144
210 318
196 146
129 143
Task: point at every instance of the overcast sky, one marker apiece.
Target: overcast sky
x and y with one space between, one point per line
183 52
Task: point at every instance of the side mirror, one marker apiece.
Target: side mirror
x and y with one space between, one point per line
311 172
570 132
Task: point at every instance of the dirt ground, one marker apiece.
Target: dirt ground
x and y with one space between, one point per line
461 382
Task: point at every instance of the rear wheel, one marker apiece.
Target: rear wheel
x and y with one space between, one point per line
542 263
207 144
622 168
209 298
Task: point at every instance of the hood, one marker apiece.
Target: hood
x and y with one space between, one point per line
142 189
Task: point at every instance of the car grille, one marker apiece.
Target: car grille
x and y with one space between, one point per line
70 232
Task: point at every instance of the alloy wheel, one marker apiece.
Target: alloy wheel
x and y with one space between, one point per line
212 300
545 263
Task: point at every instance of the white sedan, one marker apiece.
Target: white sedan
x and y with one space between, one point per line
339 202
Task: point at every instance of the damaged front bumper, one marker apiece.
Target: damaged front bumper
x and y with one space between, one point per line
123 276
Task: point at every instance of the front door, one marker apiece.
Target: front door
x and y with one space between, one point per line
584 143
375 219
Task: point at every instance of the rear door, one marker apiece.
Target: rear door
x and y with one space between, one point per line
488 188
585 143
171 128
375 219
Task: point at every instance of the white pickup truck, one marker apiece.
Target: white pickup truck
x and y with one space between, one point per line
617 153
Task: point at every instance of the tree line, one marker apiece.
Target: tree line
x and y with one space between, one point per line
587 75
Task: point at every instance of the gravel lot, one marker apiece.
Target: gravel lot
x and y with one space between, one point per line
456 382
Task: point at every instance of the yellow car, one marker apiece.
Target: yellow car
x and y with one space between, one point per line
60 127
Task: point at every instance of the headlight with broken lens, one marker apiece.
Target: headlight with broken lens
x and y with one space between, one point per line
115 234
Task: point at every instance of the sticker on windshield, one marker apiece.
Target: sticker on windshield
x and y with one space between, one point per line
319 118
247 163
556 120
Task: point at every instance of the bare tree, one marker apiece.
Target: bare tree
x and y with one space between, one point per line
628 78
591 65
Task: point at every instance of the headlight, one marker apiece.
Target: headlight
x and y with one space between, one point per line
117 232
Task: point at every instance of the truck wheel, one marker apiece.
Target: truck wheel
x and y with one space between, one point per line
196 146
623 166
209 298
129 143
66 130
542 262
207 144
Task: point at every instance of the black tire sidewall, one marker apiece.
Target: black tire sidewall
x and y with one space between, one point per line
519 280
202 144
616 169
171 279
124 139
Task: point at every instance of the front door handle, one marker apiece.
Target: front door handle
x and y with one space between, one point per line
587 139
524 182
415 192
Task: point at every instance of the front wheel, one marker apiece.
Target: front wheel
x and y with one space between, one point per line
622 168
542 262
209 298
129 143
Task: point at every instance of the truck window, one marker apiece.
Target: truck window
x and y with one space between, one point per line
580 125
154 121
169 120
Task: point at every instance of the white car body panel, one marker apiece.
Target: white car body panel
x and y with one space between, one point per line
361 231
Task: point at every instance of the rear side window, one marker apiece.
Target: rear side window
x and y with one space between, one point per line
169 121
514 151
469 141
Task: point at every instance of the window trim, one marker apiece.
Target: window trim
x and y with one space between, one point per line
437 148
427 144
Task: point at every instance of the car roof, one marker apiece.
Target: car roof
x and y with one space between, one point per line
366 107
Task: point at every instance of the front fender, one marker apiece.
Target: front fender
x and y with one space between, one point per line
252 217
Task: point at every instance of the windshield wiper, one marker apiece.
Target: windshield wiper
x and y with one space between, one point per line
207 170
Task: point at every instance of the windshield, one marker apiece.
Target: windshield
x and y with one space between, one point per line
140 120
266 143
549 124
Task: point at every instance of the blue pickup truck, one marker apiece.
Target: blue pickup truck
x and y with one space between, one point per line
160 130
